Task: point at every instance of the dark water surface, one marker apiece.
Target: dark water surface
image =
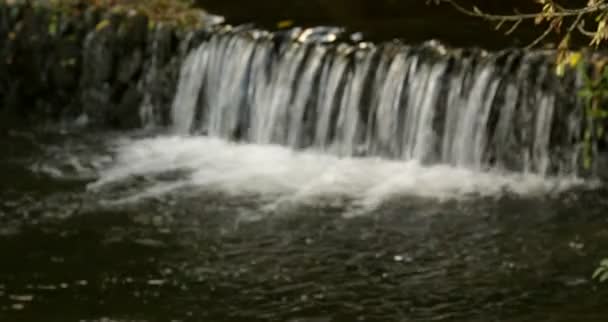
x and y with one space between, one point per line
193 256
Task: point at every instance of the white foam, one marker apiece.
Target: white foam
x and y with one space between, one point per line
285 175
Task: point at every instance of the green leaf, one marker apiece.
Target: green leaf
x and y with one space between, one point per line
595 114
604 277
605 73
102 25
582 68
585 93
53 27
587 135
586 162
599 271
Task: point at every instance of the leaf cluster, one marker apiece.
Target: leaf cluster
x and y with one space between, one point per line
590 20
594 92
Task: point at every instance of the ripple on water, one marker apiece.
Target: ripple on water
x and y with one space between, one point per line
263 238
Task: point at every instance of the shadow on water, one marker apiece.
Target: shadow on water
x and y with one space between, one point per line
198 255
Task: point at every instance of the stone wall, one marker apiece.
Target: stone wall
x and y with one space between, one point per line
109 69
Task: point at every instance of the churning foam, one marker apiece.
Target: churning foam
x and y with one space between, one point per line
285 175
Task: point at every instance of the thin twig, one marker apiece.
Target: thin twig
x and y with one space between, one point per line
563 12
540 38
575 23
499 25
514 27
585 32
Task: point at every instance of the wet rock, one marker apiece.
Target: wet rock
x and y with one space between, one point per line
125 115
87 63
130 66
97 101
602 166
98 57
11 97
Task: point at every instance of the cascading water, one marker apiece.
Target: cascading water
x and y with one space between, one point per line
473 109
298 116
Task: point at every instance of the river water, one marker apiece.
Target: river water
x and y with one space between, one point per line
304 175
148 226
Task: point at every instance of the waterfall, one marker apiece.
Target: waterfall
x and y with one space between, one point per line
467 108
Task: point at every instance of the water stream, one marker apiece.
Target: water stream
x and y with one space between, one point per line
479 110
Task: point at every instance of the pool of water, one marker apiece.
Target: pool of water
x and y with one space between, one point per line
149 227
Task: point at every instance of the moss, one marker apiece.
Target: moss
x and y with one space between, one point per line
179 13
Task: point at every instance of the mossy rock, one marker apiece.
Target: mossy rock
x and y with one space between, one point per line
177 13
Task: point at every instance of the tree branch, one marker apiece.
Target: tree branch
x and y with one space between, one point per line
514 27
563 12
585 32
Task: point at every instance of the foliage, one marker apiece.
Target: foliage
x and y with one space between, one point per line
181 13
590 20
595 94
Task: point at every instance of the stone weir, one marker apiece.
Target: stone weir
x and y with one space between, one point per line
315 88
98 65
321 89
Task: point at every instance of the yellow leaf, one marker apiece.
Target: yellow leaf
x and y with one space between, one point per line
574 58
601 25
560 69
285 24
565 43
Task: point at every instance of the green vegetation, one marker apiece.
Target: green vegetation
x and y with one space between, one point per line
181 13
595 95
